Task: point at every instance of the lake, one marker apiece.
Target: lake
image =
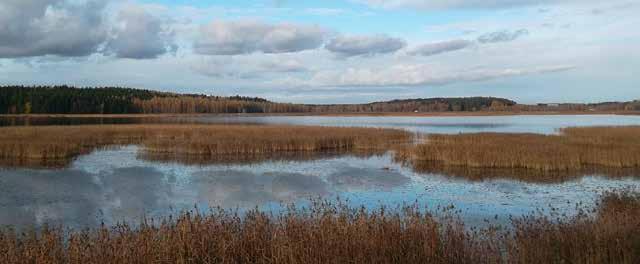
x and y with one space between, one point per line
117 184
544 124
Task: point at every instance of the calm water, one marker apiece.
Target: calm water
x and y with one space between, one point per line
458 124
113 185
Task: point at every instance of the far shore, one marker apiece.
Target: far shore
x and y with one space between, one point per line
373 114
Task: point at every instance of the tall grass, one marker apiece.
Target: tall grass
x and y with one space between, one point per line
59 144
573 149
328 233
520 174
611 236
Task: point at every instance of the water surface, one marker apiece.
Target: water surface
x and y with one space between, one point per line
114 185
545 124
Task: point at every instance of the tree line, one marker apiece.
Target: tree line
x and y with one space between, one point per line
117 100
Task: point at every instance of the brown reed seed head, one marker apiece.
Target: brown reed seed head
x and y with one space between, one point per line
335 233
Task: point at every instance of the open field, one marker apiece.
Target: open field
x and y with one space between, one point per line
328 233
573 149
55 145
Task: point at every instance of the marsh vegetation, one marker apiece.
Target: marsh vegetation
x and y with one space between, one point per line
57 145
574 149
334 233
323 232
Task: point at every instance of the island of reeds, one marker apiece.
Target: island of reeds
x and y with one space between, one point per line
330 233
57 145
573 149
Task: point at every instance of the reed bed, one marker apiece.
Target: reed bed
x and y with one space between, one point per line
255 158
328 233
59 144
524 175
249 140
612 236
572 149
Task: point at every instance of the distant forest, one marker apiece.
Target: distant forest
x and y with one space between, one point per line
115 100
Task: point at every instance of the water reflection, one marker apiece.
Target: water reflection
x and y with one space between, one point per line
112 185
354 179
233 188
78 198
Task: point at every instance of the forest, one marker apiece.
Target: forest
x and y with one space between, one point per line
116 100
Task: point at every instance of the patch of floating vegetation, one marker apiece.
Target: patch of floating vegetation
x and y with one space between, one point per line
327 232
520 174
58 145
574 149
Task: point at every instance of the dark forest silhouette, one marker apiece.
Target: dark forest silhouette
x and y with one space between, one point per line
115 100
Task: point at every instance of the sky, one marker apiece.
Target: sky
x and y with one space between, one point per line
330 51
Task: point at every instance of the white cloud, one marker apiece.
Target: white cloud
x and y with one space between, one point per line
502 36
50 27
245 37
349 46
462 4
324 11
416 75
248 67
435 48
140 35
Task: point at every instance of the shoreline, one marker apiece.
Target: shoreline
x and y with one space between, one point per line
354 114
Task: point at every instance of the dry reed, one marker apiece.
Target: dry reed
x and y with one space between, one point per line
524 175
58 144
326 233
573 149
611 236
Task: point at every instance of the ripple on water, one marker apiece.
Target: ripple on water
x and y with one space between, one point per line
112 185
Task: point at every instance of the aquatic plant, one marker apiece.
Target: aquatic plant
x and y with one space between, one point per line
333 233
612 235
46 145
573 149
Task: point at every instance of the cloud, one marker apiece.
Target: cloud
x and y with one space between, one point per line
247 67
349 46
245 37
50 27
325 11
461 4
288 65
435 48
140 35
418 75
502 36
